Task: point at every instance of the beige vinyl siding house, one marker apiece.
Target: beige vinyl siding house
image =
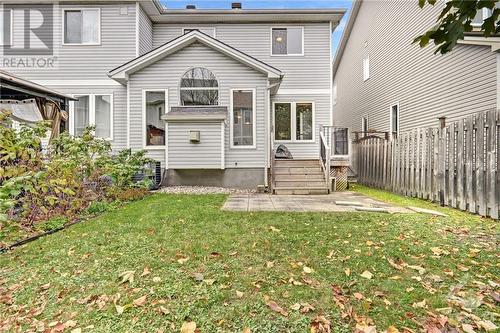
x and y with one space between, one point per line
400 77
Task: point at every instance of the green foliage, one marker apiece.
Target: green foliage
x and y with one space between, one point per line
455 20
65 179
98 207
53 223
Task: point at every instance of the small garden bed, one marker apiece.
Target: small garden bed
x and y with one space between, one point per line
43 189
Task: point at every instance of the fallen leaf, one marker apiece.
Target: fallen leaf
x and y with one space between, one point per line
307 270
367 275
274 229
140 301
198 277
421 304
76 330
392 329
127 276
487 325
347 272
119 309
246 330
270 264
358 296
164 310
209 281
70 324
188 327
462 268
306 307
276 308
145 271
182 260
420 269
295 306
156 279
239 294
361 327
468 328
320 325
330 255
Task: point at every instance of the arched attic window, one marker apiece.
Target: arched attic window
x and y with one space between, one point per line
199 86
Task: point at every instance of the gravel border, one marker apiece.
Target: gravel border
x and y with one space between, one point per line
200 190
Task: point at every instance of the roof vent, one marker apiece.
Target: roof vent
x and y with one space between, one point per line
190 7
236 5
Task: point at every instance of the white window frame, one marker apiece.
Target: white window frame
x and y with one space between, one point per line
399 119
63 20
293 121
231 119
366 68
288 54
198 28
91 113
11 27
199 88
143 124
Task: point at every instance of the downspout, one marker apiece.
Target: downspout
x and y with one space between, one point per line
269 130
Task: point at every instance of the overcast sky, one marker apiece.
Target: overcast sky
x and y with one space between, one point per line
254 4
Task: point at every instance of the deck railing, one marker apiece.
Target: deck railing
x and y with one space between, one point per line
324 152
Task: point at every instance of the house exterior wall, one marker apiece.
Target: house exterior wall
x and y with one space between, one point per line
144 31
87 62
425 85
182 154
307 77
166 74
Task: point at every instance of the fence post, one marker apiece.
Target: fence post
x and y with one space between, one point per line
441 160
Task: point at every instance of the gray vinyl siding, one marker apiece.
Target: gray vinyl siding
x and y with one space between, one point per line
310 71
119 93
89 61
307 150
182 154
145 32
426 86
166 74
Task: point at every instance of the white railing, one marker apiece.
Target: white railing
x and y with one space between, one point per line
324 157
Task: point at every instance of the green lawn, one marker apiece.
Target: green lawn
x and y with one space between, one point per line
269 272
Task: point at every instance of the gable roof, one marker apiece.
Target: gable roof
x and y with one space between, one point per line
122 72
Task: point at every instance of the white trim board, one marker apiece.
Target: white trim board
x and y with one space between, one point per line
79 83
303 92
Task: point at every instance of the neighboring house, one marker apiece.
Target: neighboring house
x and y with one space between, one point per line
383 82
200 90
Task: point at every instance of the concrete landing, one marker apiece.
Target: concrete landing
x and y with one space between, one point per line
335 202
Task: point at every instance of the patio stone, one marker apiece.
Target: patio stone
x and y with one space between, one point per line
427 211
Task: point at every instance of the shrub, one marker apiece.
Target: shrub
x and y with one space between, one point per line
131 194
73 173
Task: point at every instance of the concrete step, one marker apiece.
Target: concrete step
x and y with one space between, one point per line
300 177
297 191
300 184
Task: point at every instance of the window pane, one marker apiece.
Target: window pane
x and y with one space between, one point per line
304 121
5 23
103 116
243 118
90 26
394 118
199 77
279 41
81 114
155 128
199 97
294 45
282 122
73 26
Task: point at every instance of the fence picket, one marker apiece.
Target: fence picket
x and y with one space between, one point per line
457 164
